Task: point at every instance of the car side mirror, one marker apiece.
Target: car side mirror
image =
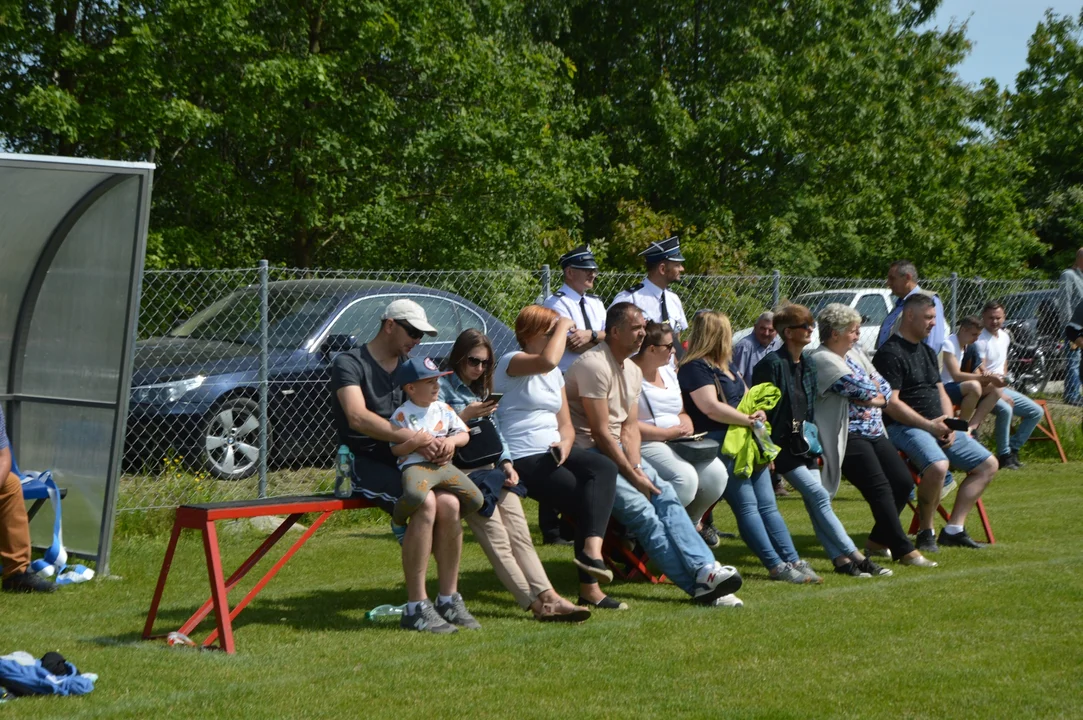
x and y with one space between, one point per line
337 344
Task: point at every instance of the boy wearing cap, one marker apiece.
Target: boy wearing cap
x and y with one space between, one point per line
574 301
363 396
429 418
665 264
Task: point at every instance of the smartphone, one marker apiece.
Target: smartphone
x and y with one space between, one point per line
957 424
494 398
697 436
554 452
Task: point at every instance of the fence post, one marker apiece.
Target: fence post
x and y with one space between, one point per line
776 287
954 299
263 372
545 282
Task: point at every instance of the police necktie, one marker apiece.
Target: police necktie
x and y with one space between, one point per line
665 311
583 309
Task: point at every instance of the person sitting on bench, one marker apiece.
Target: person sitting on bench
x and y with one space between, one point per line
15 527
603 388
974 391
363 396
916 425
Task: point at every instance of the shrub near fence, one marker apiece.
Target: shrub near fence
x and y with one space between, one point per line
182 439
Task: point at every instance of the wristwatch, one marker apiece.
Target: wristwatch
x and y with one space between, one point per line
637 466
594 336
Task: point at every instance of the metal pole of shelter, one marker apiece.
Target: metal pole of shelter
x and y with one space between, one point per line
263 372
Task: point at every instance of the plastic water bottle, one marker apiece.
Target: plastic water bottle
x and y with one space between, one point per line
343 467
382 611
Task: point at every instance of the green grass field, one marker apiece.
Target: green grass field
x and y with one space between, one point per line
989 634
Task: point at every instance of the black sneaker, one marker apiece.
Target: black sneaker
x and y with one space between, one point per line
27 582
455 612
558 541
594 567
426 619
710 536
606 603
851 569
1007 462
926 541
1016 460
960 539
873 569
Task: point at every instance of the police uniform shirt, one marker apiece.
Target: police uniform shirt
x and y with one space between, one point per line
648 297
567 303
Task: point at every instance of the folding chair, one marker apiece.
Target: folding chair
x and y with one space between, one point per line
1049 431
916 521
34 490
628 565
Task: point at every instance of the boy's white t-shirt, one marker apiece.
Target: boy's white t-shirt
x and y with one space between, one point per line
952 346
528 411
438 418
665 401
994 350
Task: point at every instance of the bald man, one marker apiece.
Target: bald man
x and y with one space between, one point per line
1071 294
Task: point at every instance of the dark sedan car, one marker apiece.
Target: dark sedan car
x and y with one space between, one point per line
197 388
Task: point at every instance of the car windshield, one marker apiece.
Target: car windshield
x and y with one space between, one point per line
1021 307
293 316
816 301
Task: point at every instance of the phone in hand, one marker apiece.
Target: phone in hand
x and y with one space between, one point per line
493 398
697 436
556 454
957 424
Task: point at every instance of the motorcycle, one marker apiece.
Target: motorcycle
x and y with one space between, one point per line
1028 369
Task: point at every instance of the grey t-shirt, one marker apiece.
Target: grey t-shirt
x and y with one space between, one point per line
382 396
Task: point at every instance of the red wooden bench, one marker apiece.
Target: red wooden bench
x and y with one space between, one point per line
916 521
203 518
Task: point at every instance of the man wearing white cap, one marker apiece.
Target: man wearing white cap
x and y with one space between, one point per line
575 301
363 397
665 264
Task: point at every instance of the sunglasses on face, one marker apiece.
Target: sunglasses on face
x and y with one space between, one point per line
809 327
667 346
412 331
478 362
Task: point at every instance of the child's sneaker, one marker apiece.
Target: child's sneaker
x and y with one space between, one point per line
455 612
425 619
715 580
399 531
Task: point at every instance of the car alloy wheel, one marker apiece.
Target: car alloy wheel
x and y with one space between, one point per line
231 439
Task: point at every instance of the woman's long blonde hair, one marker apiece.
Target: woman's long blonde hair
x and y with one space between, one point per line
711 339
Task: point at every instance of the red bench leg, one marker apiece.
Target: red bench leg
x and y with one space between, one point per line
218 587
160 588
273 571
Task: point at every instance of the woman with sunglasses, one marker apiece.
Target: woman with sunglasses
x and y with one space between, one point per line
662 418
712 389
793 371
500 526
537 425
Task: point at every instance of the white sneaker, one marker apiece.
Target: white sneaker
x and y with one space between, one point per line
728 601
713 581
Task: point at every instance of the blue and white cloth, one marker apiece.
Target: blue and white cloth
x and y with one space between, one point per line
22 674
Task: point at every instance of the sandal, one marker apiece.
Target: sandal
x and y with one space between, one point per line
606 603
562 612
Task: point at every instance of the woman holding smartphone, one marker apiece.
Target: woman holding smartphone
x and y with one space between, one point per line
500 526
662 418
538 428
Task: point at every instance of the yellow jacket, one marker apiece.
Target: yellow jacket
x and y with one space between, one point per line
747 449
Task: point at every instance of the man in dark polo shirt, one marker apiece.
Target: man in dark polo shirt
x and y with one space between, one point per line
915 423
363 396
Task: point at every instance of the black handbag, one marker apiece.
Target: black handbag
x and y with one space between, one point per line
804 436
691 450
484 447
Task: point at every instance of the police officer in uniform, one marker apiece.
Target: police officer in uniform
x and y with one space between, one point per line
665 264
575 301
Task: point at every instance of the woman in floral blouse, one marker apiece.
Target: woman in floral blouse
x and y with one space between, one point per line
850 418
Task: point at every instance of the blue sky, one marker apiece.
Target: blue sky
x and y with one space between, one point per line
998 30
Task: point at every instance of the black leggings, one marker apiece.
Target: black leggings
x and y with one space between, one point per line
874 467
582 488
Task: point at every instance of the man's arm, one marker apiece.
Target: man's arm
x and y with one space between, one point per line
5 465
366 422
597 412
951 364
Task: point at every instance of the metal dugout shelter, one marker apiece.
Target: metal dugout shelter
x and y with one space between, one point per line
73 236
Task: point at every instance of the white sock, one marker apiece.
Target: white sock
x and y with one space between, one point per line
953 529
444 599
411 607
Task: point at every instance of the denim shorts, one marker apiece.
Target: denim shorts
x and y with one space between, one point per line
921 448
954 393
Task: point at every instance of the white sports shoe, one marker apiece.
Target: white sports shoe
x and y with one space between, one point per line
714 581
728 601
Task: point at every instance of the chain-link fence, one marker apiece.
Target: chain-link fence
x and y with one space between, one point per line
219 350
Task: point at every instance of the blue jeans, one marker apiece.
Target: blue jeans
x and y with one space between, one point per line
922 449
1071 379
830 532
758 519
663 528
1029 414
